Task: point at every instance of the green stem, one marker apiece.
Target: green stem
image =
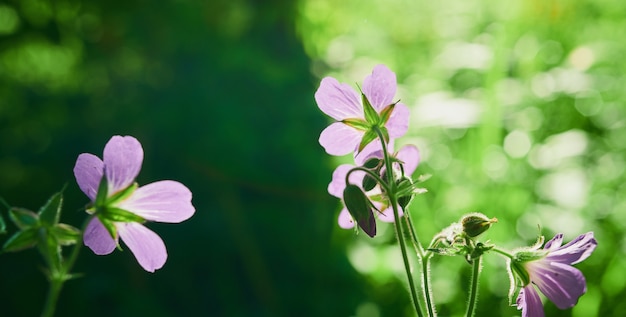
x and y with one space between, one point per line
502 252
58 279
430 305
397 222
471 304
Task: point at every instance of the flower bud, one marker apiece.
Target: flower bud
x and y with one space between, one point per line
476 223
360 208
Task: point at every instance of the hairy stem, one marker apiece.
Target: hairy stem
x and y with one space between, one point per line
473 296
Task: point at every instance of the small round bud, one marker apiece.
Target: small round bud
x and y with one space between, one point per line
476 223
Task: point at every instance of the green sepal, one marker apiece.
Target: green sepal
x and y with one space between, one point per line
368 137
115 214
103 191
356 123
50 213
122 194
65 234
109 226
23 218
385 114
371 116
21 240
360 209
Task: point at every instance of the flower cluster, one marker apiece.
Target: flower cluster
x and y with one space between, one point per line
379 185
367 126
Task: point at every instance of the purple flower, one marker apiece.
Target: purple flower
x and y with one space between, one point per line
408 154
551 270
342 103
163 201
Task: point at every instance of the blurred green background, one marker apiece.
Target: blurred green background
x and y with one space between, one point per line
517 108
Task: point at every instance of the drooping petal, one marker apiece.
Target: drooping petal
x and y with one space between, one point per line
339 101
338 182
575 251
529 302
97 238
146 246
88 172
162 201
561 283
398 123
345 220
373 149
380 87
122 158
410 155
339 139
554 243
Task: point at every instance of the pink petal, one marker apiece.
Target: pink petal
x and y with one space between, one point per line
561 283
147 246
529 302
345 220
410 155
97 238
122 160
88 173
338 182
163 201
398 123
339 139
380 87
339 101
575 251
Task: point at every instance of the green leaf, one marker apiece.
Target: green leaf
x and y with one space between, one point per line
21 240
360 209
23 218
50 212
3 225
120 215
65 234
371 116
50 250
368 137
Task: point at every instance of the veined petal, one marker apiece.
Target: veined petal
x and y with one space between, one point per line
97 238
162 201
398 123
147 246
410 155
88 172
554 243
380 87
339 101
561 283
345 220
122 158
575 251
339 139
529 302
338 182
374 149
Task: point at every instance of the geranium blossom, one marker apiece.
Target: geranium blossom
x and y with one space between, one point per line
408 154
344 104
162 201
551 270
